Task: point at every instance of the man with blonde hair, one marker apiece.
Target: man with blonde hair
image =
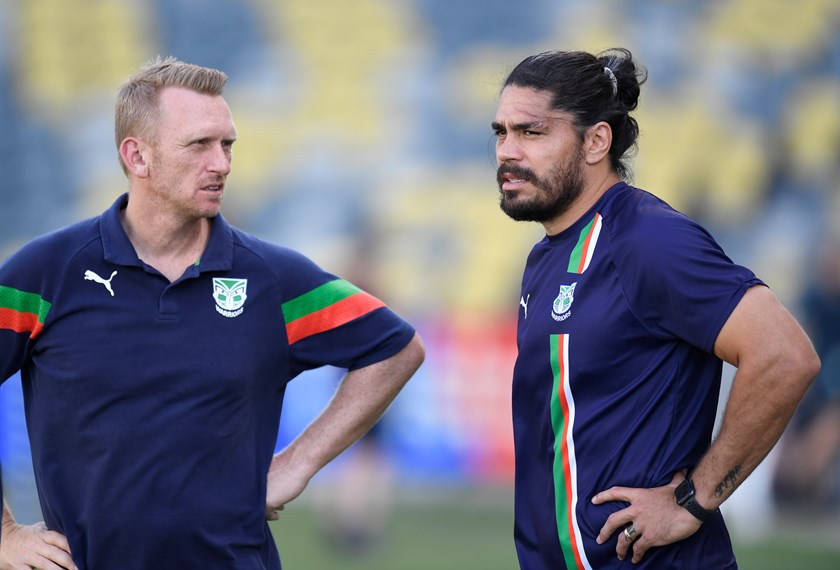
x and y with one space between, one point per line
155 343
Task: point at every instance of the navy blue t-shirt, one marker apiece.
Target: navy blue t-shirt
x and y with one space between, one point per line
616 382
153 407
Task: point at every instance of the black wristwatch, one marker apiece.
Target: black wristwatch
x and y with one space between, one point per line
685 498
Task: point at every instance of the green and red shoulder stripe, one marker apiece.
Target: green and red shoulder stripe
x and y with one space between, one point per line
21 311
582 254
326 307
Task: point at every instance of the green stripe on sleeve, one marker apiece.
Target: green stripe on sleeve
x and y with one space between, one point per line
317 299
24 302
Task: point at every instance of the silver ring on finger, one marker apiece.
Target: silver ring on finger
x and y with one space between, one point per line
629 531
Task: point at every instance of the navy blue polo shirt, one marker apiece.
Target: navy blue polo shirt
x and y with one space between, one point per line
153 407
616 382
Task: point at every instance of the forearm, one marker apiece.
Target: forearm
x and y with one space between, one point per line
360 400
764 396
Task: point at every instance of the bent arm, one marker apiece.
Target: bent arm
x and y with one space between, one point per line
775 364
360 400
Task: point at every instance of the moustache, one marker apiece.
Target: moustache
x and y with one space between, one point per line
516 171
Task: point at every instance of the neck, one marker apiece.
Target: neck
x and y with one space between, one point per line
165 241
592 192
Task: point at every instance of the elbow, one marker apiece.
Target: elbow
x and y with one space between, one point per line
812 366
417 351
805 365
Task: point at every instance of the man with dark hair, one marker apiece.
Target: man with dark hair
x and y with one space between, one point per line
628 309
155 344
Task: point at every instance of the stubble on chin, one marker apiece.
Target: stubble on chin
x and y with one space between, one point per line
209 205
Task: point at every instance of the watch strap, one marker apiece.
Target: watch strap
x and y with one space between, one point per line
692 506
685 495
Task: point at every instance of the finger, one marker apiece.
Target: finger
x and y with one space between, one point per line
53 558
612 494
639 549
273 513
45 563
617 520
625 543
56 539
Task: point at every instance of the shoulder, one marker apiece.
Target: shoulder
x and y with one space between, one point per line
40 267
293 271
50 249
644 229
272 254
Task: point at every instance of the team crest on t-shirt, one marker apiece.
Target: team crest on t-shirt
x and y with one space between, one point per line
560 311
230 295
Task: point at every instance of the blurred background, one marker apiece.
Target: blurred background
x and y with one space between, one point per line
364 142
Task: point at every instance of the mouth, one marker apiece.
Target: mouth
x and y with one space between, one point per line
213 188
511 178
511 183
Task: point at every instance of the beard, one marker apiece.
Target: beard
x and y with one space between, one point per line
556 191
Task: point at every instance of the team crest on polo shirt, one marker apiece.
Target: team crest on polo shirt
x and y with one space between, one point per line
230 295
560 311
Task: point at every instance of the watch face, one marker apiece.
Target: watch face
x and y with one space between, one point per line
684 492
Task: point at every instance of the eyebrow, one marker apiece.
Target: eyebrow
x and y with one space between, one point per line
197 137
497 126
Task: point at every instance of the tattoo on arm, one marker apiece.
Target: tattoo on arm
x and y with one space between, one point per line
729 481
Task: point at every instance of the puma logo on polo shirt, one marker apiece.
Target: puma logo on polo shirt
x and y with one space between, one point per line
91 276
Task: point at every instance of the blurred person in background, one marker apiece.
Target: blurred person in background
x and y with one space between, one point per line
155 344
627 310
354 508
807 470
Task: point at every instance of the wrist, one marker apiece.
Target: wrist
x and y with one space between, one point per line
686 497
290 463
7 522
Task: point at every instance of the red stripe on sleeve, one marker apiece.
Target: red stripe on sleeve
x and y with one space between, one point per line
20 322
333 316
585 253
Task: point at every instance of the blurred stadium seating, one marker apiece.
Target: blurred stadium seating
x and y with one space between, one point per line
364 134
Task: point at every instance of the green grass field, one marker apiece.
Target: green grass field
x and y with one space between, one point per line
470 532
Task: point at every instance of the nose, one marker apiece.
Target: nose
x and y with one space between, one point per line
220 160
507 149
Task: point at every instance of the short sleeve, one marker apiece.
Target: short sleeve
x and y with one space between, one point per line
24 308
330 321
678 281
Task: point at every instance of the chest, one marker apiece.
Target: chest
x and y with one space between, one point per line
554 301
588 311
125 329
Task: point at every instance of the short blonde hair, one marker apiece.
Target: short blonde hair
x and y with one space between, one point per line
136 109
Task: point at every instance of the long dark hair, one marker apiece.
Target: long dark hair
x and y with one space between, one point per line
592 88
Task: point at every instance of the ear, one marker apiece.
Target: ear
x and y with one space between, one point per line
133 154
597 142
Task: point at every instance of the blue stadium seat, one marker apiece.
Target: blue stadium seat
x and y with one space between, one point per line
217 33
